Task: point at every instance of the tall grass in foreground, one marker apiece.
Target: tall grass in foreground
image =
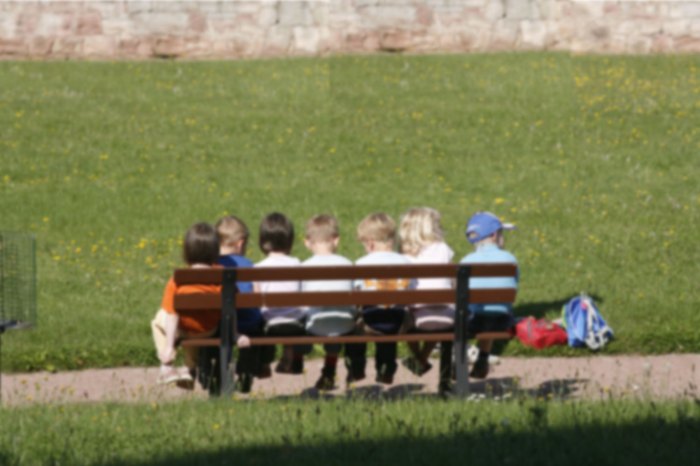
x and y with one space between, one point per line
595 158
353 432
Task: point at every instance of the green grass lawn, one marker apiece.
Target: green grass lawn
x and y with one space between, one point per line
595 158
409 432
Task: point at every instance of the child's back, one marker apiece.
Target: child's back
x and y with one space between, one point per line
200 250
322 238
233 241
280 315
377 233
485 232
328 321
276 239
422 242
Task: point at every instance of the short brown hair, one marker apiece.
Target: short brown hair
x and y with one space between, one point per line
378 227
323 227
201 245
231 229
276 233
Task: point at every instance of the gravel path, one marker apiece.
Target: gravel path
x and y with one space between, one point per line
669 376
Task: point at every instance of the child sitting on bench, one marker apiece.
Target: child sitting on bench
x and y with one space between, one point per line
200 250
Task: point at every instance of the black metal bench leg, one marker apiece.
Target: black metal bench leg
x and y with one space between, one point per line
460 347
228 326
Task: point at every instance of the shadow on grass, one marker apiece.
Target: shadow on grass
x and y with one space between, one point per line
539 309
651 440
496 388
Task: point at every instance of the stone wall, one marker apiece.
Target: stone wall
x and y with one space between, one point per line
258 28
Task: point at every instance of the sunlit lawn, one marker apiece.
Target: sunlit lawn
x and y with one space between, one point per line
595 158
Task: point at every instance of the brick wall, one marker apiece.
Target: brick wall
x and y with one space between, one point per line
240 28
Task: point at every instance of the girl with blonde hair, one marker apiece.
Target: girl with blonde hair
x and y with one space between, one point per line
422 242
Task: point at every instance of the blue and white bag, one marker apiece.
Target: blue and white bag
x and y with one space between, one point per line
584 324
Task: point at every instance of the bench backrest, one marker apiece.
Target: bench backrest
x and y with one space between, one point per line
229 299
228 277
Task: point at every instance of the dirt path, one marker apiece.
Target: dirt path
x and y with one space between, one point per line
597 377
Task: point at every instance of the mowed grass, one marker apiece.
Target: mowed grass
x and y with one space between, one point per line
595 158
409 432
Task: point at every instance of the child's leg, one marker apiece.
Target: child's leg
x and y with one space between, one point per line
428 347
446 348
191 353
415 349
484 346
266 355
158 331
287 355
327 379
331 359
385 359
481 366
355 361
247 361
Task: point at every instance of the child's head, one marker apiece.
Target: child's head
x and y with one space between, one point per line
233 235
322 234
276 234
420 227
486 228
377 231
201 245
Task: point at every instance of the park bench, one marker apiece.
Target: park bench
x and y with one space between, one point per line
228 300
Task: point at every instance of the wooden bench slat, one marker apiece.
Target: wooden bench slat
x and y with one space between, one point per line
310 340
212 301
353 272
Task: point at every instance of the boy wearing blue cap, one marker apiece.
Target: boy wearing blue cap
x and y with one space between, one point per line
485 232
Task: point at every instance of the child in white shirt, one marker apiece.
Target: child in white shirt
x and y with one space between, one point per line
322 237
377 233
276 239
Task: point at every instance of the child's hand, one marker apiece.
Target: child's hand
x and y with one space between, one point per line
243 341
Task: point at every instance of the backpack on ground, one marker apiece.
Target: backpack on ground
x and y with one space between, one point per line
540 333
584 324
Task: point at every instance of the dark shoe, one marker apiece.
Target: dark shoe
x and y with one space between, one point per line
285 366
244 383
415 366
480 369
298 366
265 372
384 375
446 389
187 380
325 382
355 376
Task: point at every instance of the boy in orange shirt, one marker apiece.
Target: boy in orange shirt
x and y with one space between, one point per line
200 250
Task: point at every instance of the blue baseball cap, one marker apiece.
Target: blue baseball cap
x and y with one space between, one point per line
484 224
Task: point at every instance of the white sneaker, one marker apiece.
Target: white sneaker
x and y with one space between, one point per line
169 374
473 354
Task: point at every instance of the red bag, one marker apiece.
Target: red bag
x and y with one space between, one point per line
540 333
